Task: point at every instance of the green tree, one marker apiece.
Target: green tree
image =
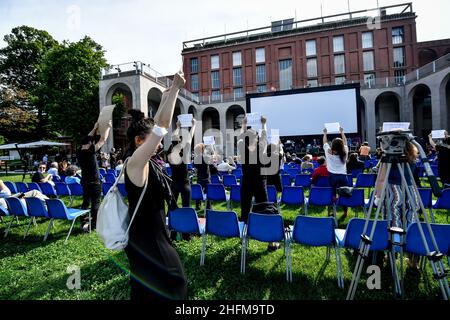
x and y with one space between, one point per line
120 110
69 86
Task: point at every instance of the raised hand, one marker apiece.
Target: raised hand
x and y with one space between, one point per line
179 80
263 120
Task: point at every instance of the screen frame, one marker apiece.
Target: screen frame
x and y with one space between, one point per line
355 86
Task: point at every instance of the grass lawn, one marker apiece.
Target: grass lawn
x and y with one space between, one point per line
33 269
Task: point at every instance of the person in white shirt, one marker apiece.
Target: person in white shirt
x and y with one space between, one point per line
336 156
53 170
225 167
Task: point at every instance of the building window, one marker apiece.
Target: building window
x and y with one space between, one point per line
312 83
399 76
215 95
399 57
261 73
339 80
338 44
260 55
194 82
368 61
237 76
238 93
339 64
194 65
311 68
215 80
215 64
369 79
285 67
261 88
237 59
398 35
311 48
367 40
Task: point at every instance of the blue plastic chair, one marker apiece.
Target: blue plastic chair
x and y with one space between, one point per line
112 171
293 172
105 187
221 224
16 208
185 220
11 186
322 182
365 180
414 243
197 193
272 194
22 187
321 197
443 202
351 237
237 173
293 196
76 189
215 179
34 186
229 180
309 171
216 192
48 190
62 189
110 178
427 198
57 210
36 209
355 173
122 189
303 180
355 201
102 171
264 228
316 232
286 180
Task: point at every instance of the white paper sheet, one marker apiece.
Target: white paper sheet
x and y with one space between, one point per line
254 120
438 134
105 118
395 126
273 139
185 120
333 127
209 141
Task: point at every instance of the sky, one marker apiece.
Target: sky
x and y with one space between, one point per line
153 31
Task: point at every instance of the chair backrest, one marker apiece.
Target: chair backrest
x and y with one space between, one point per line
272 194
105 187
222 224
21 187
110 178
321 196
197 192
122 189
76 189
48 189
356 172
349 180
322 182
11 186
443 202
111 171
293 196
286 180
235 193
427 197
215 179
62 189
184 220
229 180
303 180
355 229
16 207
365 180
56 209
34 186
237 173
355 201
216 192
414 243
314 231
293 172
265 228
36 208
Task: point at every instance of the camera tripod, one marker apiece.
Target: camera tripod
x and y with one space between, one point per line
396 156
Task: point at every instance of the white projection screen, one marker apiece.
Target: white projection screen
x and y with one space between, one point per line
304 112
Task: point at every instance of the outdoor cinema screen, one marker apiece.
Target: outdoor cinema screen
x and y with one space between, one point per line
304 112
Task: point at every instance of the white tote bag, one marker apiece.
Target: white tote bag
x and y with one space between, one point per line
113 222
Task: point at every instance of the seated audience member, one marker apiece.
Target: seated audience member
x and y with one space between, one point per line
296 159
225 166
307 164
62 167
321 171
53 170
71 175
39 177
6 193
354 163
364 151
4 190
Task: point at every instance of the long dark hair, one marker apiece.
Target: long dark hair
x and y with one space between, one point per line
139 127
337 146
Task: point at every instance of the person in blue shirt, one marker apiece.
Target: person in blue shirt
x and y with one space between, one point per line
71 175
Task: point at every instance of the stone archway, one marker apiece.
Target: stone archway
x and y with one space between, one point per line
387 109
192 110
153 99
444 93
420 98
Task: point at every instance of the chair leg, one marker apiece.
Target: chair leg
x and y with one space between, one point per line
90 222
244 252
9 227
340 275
28 227
202 255
50 225
70 231
327 260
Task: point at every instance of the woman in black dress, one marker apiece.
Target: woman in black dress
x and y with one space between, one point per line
156 270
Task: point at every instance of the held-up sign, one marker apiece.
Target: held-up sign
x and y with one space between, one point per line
333 127
438 134
395 126
209 141
253 119
185 120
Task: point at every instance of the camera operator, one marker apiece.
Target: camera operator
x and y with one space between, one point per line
443 156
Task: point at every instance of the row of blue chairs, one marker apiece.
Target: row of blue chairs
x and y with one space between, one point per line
53 209
309 231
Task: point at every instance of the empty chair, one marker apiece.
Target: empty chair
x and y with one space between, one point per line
110 178
11 187
48 190
414 243
355 201
185 220
293 196
57 210
105 188
221 224
76 189
216 192
237 173
215 179
286 180
272 194
229 180
34 186
351 237
427 198
62 189
36 209
320 197
197 193
303 180
22 187
16 208
365 180
355 173
235 194
443 202
316 232
322 182
264 228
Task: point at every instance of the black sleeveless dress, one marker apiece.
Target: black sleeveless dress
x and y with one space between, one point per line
156 269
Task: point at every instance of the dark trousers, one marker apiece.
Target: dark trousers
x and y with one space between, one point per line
203 183
92 192
252 187
183 188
